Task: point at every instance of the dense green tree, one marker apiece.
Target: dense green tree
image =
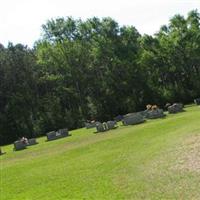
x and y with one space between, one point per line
17 92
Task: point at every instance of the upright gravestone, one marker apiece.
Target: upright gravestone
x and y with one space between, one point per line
105 126
111 124
63 132
175 108
101 127
154 114
197 101
32 141
19 145
131 119
53 135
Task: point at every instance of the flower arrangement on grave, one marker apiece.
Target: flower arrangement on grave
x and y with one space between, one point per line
154 107
148 107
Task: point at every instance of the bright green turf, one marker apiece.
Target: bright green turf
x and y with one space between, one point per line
132 162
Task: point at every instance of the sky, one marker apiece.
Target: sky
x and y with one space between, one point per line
21 20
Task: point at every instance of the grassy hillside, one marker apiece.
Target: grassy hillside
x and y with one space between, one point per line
159 159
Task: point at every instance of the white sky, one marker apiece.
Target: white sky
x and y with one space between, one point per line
21 20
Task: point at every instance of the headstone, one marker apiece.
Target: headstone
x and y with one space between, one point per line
175 108
32 141
154 114
131 119
101 127
19 145
53 135
111 124
197 101
63 132
105 126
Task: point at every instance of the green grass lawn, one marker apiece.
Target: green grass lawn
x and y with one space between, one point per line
159 159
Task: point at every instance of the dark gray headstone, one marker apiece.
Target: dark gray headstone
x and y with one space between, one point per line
19 145
154 114
197 101
101 127
131 119
63 132
53 135
32 141
111 124
105 126
175 108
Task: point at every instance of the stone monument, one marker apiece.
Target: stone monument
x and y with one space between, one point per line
133 118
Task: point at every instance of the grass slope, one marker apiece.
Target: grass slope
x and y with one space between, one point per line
146 161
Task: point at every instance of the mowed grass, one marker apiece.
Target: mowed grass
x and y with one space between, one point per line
146 161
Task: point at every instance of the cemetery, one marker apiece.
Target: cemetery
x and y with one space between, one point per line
118 78
126 141
151 112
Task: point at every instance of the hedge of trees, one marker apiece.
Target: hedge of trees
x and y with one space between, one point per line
95 69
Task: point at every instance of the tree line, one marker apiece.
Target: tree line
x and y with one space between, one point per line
95 69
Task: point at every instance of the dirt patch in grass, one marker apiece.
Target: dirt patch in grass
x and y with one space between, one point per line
188 154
